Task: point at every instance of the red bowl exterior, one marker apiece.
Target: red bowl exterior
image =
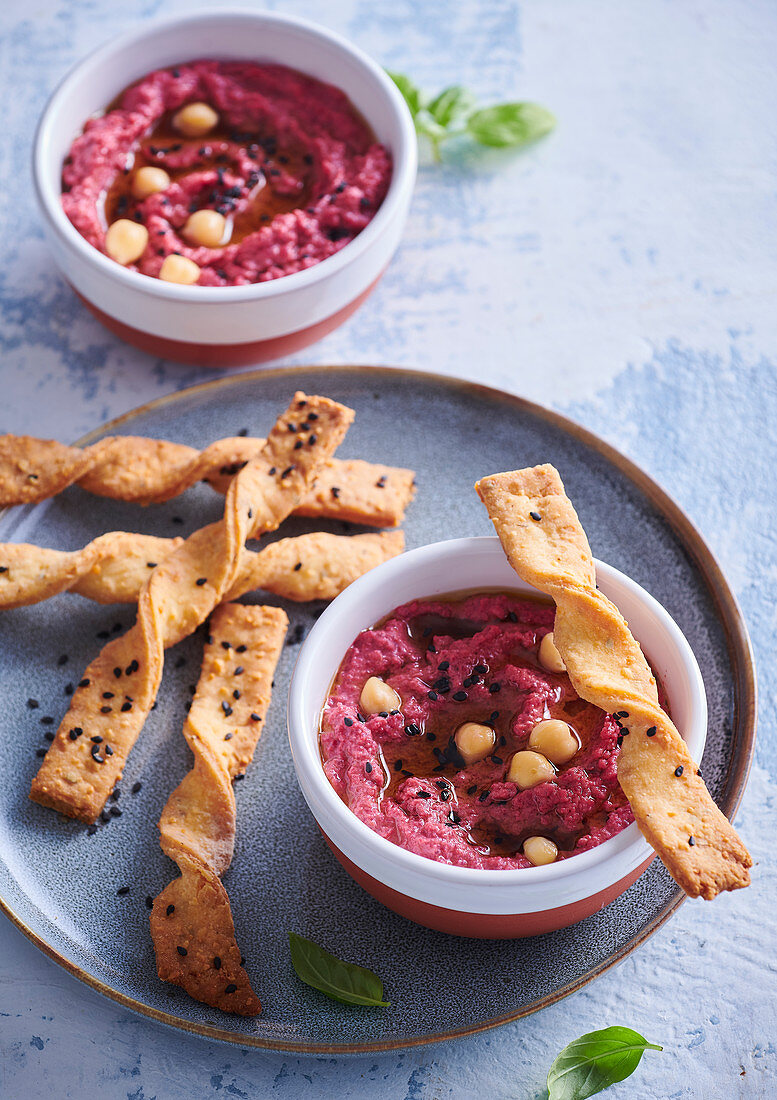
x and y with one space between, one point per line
486 926
220 356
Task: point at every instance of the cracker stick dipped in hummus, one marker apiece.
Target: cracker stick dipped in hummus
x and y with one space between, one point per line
546 545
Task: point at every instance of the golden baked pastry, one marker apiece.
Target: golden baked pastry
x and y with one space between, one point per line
86 758
191 919
149 471
114 567
546 545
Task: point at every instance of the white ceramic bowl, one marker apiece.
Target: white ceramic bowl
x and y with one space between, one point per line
466 900
225 326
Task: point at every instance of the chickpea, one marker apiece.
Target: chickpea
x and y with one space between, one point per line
528 768
539 850
205 227
179 269
475 742
147 181
126 241
377 696
555 739
195 119
550 658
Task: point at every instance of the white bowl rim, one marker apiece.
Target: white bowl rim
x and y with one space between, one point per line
626 840
403 174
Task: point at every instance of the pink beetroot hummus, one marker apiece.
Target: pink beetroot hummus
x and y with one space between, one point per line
291 165
456 661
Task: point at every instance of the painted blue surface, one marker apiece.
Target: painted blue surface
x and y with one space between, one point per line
622 271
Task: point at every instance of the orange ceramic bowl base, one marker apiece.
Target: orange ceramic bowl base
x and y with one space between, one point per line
487 926
227 355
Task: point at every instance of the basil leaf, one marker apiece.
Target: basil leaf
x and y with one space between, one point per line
342 981
410 92
451 105
595 1061
510 124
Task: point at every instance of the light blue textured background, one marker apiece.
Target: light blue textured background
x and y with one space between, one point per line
623 271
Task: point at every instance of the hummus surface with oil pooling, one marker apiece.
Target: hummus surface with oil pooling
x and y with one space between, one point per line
458 668
248 171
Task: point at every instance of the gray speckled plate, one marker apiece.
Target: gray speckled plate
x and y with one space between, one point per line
59 884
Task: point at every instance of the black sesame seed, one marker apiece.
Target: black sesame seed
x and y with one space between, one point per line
75 733
122 891
217 963
679 770
96 740
98 759
151 564
241 648
335 492
231 988
368 768
126 706
201 581
535 516
412 729
105 817
482 796
41 752
50 736
287 471
136 787
107 695
651 732
460 696
621 714
227 736
256 718
397 765
238 671
226 645
494 688
47 721
471 790
348 721
444 666
235 694
381 482
63 660
431 736
497 759
149 902
226 707
297 567
117 673
81 683
105 710
69 689
422 794
181 950
240 775
33 704
431 695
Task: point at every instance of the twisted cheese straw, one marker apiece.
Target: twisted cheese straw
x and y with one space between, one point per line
114 567
191 920
547 546
86 759
149 471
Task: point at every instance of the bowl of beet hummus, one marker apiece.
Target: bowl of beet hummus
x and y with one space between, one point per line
225 188
448 760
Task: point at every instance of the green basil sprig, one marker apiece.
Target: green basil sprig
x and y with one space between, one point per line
342 981
455 112
595 1061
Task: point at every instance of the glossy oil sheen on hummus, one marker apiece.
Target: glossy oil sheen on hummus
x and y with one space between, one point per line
291 165
401 774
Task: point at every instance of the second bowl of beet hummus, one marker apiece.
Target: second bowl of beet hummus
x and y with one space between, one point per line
225 188
449 762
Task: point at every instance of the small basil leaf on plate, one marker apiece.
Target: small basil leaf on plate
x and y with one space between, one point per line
510 124
346 982
595 1061
451 105
410 92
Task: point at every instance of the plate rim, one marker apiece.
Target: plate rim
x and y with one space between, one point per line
727 610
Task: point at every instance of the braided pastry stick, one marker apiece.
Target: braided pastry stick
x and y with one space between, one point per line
87 757
191 920
114 567
546 545
149 471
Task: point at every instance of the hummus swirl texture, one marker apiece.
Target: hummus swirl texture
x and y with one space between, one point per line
457 661
286 144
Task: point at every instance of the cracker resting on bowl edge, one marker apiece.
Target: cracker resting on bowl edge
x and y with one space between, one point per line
547 546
